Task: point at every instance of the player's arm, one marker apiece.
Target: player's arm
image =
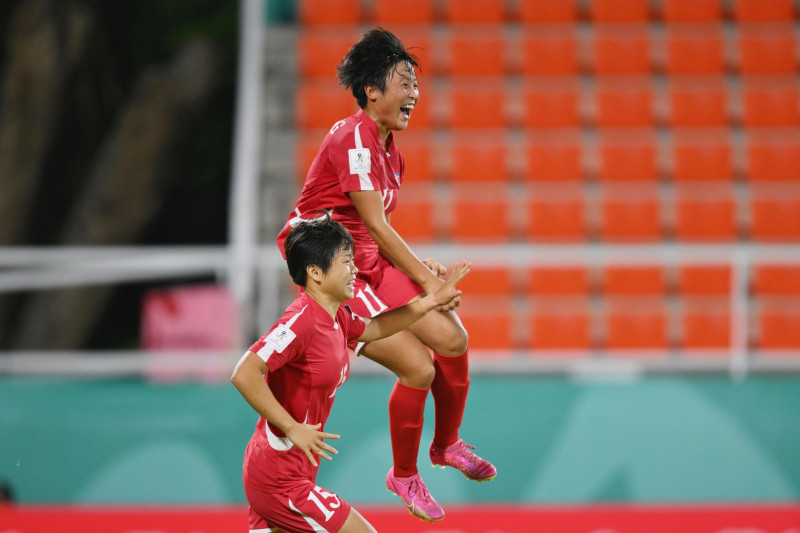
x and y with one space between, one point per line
248 378
398 319
370 206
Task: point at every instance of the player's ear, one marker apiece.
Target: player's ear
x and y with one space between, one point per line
314 272
372 92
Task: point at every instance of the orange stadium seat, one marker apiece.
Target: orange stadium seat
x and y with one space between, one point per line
775 213
693 11
630 214
480 214
705 324
418 151
552 104
473 11
698 103
763 10
560 323
632 323
475 50
329 12
705 155
629 156
633 280
385 12
481 157
489 322
488 281
551 51
415 217
771 103
553 157
547 11
319 51
767 50
320 104
776 279
624 103
778 323
558 281
306 150
777 288
704 280
556 214
695 50
476 103
619 10
773 155
704 213
621 50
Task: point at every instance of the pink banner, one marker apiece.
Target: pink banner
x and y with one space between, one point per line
471 519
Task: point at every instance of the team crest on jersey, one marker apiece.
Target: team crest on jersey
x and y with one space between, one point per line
280 337
359 160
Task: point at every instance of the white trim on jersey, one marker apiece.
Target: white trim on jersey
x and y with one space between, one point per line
363 177
281 444
311 522
279 338
294 221
267 530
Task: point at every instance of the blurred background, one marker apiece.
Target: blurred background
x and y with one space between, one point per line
623 174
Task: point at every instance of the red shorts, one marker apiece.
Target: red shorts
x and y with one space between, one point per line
382 289
301 508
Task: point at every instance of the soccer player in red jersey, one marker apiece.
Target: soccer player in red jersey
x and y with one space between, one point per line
355 178
290 377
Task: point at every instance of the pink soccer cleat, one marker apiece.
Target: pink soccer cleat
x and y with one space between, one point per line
415 495
458 455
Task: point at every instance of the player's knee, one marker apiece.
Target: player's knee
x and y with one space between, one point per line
455 343
419 376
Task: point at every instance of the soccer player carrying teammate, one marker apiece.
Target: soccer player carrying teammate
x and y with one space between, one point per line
290 377
356 178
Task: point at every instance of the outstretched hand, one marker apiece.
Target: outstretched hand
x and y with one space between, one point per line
447 296
436 267
310 441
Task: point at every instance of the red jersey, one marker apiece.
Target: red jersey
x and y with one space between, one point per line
351 158
306 353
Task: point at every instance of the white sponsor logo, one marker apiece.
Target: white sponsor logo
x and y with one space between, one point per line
359 160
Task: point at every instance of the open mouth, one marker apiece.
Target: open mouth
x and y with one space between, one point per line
406 111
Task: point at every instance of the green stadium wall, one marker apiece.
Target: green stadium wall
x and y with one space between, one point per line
704 439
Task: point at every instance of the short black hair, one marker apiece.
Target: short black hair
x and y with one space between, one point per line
370 61
314 242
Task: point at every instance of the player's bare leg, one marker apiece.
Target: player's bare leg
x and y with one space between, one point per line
356 523
444 333
411 361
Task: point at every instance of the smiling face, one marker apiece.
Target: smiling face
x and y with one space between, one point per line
392 108
339 280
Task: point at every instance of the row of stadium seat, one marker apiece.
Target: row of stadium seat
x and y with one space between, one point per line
331 12
614 213
681 279
537 103
637 324
566 49
683 155
626 307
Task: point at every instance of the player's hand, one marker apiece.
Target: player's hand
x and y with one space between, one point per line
436 267
310 440
448 296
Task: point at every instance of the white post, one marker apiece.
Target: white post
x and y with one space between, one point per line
243 222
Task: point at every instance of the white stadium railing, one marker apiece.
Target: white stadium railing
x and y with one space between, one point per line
29 269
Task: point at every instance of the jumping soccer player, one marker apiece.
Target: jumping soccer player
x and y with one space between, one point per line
290 377
356 177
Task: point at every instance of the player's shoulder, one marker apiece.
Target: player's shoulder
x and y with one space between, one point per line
353 131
